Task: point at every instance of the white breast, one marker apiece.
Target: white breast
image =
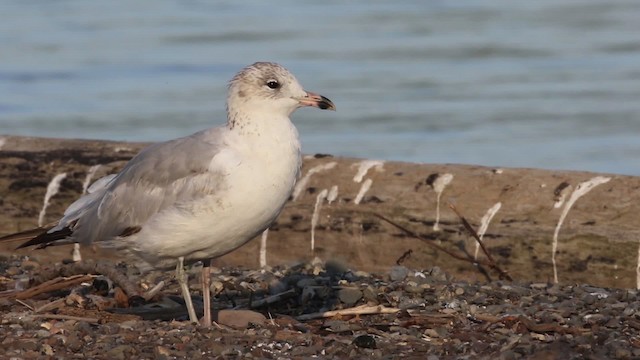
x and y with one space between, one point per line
260 172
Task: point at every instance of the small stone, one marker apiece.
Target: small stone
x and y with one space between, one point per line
47 349
370 294
349 296
437 274
365 341
337 326
594 319
120 352
161 351
538 286
240 319
621 352
431 333
398 273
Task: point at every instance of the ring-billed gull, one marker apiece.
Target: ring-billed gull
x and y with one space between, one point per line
199 197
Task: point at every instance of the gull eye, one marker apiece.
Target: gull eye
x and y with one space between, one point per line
273 84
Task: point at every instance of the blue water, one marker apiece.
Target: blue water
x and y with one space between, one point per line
550 84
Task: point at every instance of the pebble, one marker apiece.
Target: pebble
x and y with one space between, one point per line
398 273
240 319
365 341
349 296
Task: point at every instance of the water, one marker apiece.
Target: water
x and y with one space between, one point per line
550 84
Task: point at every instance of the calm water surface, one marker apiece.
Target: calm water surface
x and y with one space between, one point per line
551 84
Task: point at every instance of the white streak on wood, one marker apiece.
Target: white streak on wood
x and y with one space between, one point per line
364 166
52 189
438 185
484 224
560 199
366 185
87 179
582 188
333 194
305 179
263 248
316 216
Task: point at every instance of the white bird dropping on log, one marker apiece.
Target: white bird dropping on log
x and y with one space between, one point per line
305 179
52 190
316 216
438 186
484 225
582 188
204 195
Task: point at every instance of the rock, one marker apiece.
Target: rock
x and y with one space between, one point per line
365 341
349 296
398 273
240 319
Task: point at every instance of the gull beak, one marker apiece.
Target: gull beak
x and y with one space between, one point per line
316 100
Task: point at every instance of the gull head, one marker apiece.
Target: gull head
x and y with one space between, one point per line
269 88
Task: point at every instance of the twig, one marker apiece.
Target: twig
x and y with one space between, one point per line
24 304
270 299
91 267
549 328
153 291
65 317
358 310
472 231
48 286
502 273
51 305
530 324
404 257
492 263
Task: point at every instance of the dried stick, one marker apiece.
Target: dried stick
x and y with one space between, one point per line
91 267
270 299
492 263
48 286
65 317
358 310
404 257
473 232
494 266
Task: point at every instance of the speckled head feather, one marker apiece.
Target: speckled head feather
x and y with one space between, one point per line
264 87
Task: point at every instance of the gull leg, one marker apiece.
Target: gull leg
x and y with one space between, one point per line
206 292
183 280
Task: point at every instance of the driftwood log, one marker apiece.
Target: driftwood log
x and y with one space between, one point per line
592 220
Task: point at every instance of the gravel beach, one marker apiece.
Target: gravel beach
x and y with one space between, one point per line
308 310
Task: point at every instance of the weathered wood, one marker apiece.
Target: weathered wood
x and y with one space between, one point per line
597 242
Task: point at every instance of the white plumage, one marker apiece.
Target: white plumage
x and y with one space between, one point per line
204 195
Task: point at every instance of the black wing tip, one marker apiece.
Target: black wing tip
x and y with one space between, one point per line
46 238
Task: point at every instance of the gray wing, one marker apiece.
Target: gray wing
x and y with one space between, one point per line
162 175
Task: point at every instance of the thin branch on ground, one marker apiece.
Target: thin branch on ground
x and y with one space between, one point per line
66 317
358 310
503 274
492 263
49 286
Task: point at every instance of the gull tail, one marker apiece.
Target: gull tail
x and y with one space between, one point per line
40 237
